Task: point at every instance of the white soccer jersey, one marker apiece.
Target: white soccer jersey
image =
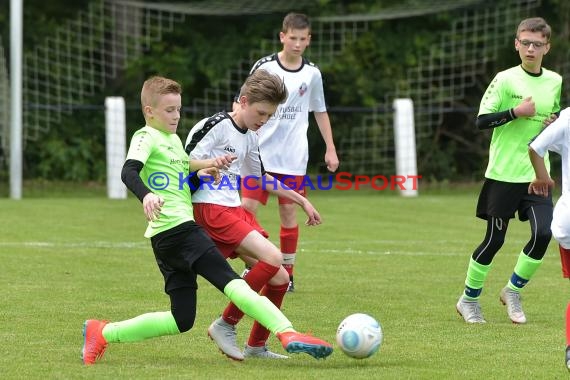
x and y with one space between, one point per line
556 138
217 136
283 139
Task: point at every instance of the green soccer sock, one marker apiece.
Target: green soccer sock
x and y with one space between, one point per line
257 307
149 325
476 275
525 268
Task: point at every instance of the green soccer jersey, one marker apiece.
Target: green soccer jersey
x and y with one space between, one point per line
508 152
165 169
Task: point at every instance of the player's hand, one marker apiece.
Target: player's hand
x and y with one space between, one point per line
331 160
210 175
526 108
152 204
223 162
549 120
314 218
541 186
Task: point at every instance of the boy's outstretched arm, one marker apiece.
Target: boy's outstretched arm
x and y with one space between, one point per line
282 190
152 203
542 184
222 162
324 124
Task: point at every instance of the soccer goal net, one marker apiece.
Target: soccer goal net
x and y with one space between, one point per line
86 53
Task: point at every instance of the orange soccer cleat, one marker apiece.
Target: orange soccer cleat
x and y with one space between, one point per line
295 342
94 343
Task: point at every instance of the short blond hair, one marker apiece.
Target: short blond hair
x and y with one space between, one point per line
263 86
156 86
535 24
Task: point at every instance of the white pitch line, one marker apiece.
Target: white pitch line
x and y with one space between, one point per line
384 253
144 244
407 241
96 244
318 246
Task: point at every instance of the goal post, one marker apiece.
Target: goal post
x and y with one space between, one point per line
16 125
115 133
405 146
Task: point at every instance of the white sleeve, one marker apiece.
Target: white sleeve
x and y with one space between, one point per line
553 136
317 102
205 146
251 163
199 125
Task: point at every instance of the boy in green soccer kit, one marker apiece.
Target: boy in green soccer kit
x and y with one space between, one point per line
516 105
182 248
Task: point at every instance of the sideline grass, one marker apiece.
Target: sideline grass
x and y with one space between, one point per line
400 260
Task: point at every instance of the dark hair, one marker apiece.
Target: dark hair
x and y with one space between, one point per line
295 21
535 24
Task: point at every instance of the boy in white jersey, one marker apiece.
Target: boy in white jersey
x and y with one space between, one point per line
556 138
283 141
233 228
181 247
516 106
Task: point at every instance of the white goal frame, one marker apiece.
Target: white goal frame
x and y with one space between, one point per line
405 146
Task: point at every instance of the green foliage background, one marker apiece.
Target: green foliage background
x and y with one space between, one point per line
201 51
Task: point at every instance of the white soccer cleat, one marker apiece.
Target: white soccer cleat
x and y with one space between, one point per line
470 310
261 352
224 335
512 300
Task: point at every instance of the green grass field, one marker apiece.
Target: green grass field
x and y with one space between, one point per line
401 260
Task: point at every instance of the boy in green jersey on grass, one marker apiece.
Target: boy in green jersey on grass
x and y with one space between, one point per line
516 105
182 249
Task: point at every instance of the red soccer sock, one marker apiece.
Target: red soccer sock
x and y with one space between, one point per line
260 334
565 261
288 240
256 278
568 324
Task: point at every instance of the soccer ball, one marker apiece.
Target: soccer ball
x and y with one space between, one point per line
359 336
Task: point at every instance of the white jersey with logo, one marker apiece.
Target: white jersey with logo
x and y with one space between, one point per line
283 139
217 136
556 138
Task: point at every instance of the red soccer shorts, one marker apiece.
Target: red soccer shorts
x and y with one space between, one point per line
227 226
254 190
